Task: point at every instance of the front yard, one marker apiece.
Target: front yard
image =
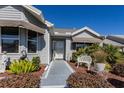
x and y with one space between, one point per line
22 74
106 67
115 80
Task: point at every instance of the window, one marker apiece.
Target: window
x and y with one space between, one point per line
10 39
32 42
76 46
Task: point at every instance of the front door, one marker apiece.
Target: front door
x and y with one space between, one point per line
58 49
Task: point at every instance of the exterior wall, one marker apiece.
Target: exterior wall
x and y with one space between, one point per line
84 34
8 12
11 13
23 44
17 12
43 47
45 52
68 49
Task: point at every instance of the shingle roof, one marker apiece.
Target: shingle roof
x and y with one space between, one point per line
117 38
63 30
87 40
112 42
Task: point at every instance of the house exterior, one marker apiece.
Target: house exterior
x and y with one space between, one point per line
25 28
115 40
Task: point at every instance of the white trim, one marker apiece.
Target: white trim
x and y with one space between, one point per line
85 28
11 38
48 47
34 11
49 24
19 36
55 86
47 70
0 41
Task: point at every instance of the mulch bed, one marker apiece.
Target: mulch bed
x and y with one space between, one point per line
37 73
28 80
115 80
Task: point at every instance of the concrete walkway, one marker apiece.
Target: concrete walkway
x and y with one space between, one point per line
57 74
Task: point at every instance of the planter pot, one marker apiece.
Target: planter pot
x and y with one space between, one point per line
100 67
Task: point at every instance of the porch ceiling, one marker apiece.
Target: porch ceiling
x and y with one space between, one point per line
87 40
21 24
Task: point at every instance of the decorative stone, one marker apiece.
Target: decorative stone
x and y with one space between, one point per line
1 78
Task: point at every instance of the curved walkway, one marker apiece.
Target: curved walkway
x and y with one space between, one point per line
57 74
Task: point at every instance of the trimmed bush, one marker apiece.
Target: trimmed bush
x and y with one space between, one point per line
22 66
118 69
87 80
20 81
36 62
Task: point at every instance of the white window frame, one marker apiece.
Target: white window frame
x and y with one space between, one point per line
9 39
33 41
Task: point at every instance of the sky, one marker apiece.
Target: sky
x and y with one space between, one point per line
106 20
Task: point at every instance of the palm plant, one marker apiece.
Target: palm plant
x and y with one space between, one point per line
113 53
22 66
94 47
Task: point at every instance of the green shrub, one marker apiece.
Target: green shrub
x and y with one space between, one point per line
113 54
78 52
87 80
20 81
118 69
90 49
22 66
36 62
108 67
74 57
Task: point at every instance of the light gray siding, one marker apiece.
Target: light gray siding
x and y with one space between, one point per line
17 12
23 38
10 12
13 12
45 52
84 34
68 49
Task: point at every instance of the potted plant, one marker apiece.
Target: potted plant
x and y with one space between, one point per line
100 59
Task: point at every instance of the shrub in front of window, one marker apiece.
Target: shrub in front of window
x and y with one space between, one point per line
87 80
36 62
118 69
91 49
22 66
77 53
